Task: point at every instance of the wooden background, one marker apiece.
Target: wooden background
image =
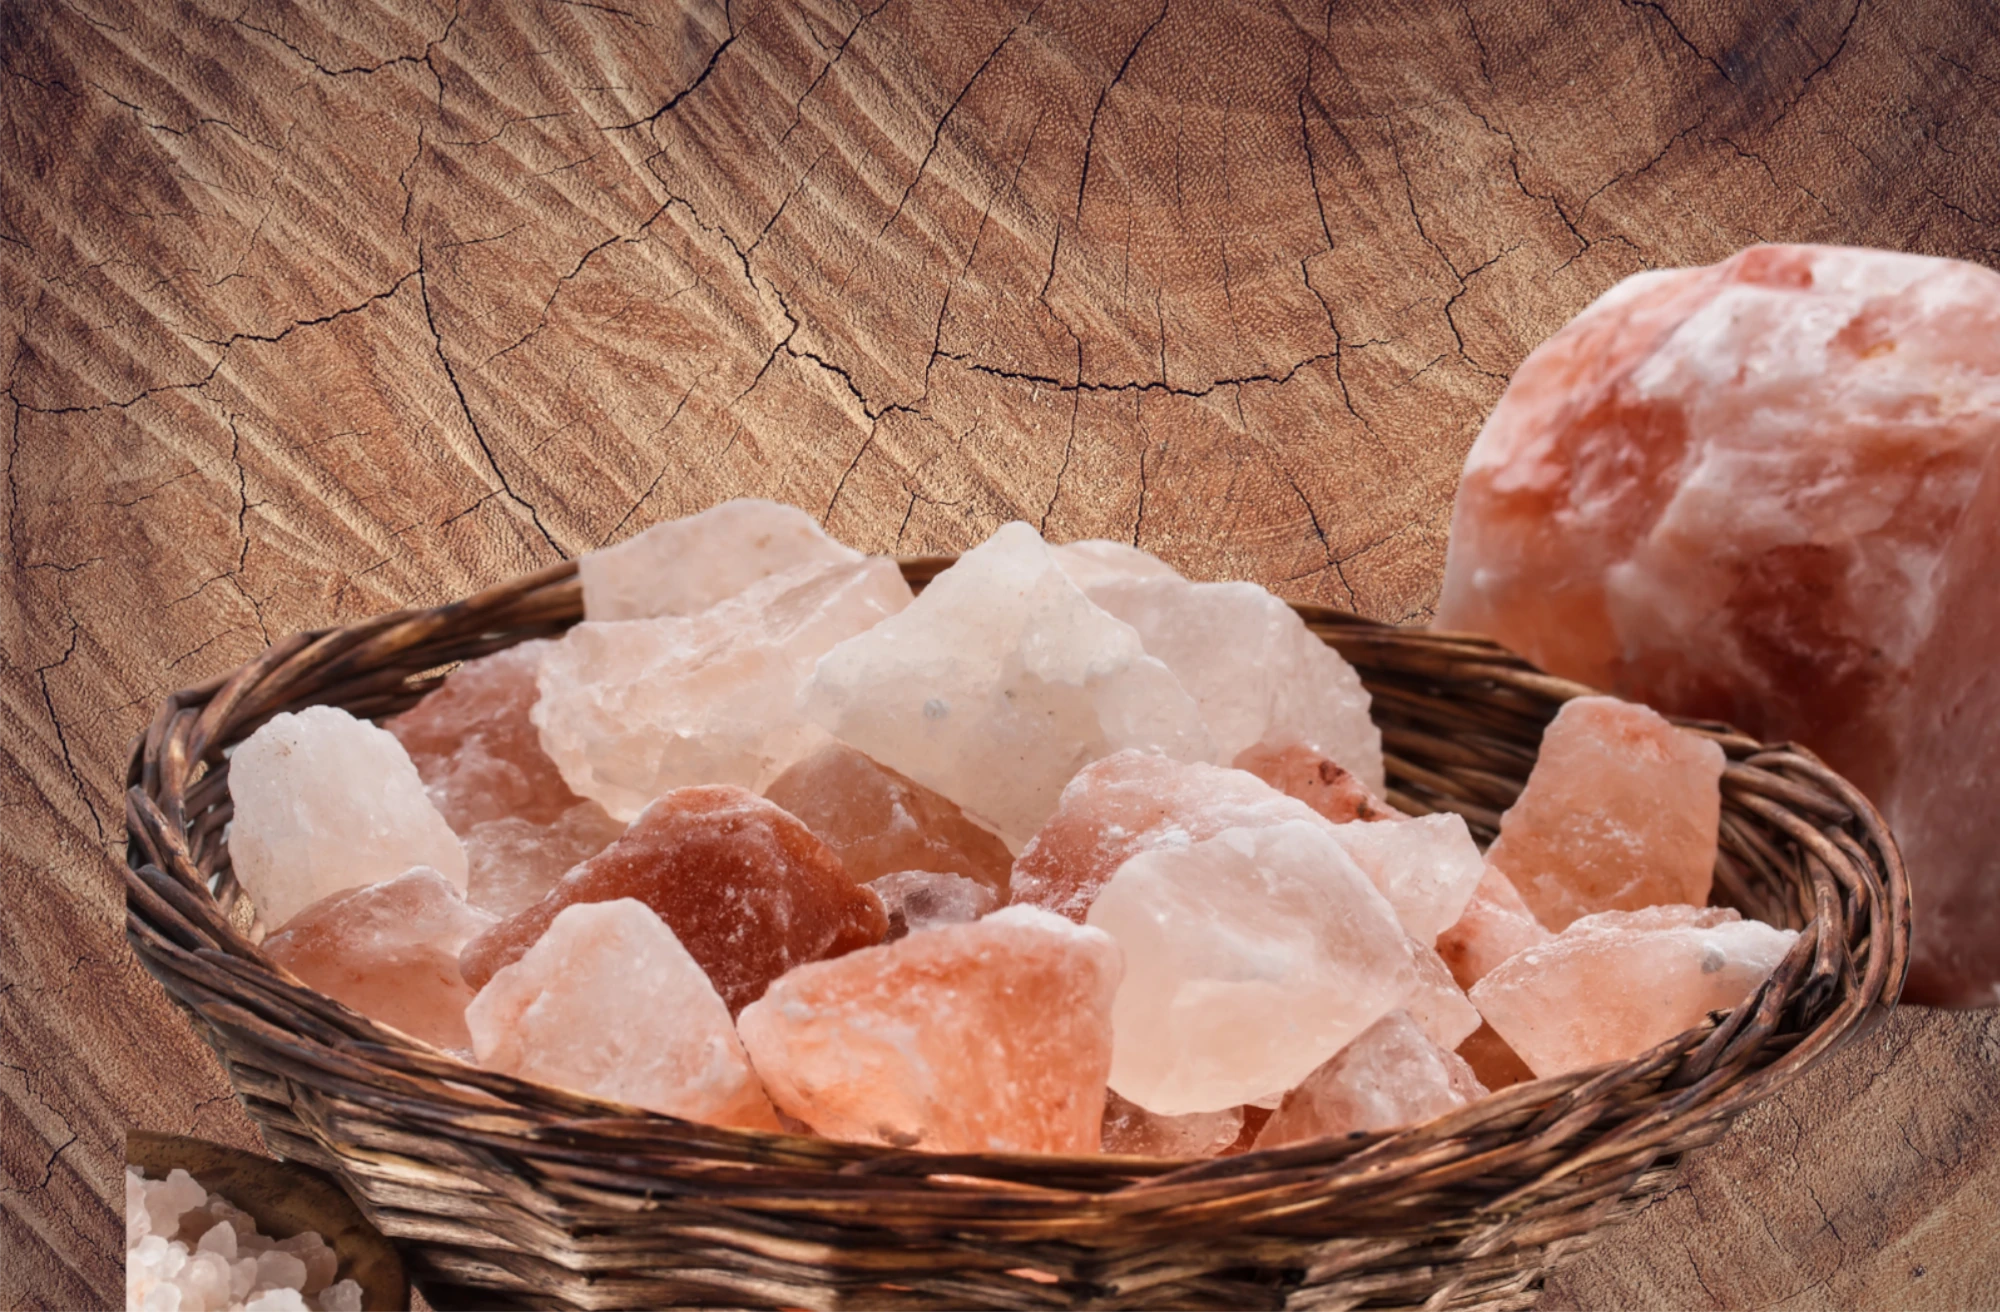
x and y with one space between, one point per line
308 311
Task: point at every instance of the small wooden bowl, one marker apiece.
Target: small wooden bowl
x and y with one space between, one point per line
285 1199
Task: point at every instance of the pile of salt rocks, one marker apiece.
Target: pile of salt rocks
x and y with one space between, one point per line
1066 854
188 1250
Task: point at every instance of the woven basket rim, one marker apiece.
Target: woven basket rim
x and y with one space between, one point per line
1569 1137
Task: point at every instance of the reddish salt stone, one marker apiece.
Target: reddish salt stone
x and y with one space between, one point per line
1768 492
390 951
1495 925
1392 1076
1317 780
511 863
988 1037
1132 802
1495 1064
744 886
1132 1131
1620 812
480 756
879 822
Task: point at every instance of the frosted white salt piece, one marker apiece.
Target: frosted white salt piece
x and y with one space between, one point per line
242 1278
1259 674
1100 560
204 1282
999 683
169 1199
1426 866
633 709
1250 958
1393 1075
684 566
163 1297
342 1296
138 1221
219 1239
277 1300
609 1002
326 802
1438 1003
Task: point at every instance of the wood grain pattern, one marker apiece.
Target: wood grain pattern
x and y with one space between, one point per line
314 310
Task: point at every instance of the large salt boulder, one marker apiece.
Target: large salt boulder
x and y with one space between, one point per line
1768 492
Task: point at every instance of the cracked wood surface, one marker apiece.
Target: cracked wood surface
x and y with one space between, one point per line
313 311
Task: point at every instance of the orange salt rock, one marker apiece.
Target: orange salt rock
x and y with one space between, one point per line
1132 802
389 950
480 756
1495 925
1620 812
1497 1065
988 1037
879 822
744 886
1317 780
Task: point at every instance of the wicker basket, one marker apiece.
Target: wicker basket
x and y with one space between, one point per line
504 1193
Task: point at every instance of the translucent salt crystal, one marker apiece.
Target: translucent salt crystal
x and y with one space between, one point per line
1250 958
138 1221
242 1278
746 889
389 951
1132 1131
608 1002
278 1269
1316 779
1438 1003
1427 867
1132 802
325 802
1100 560
632 709
1497 1065
342 1296
204 1282
321 1261
1768 492
999 683
1612 985
986 1037
1495 925
478 751
163 1298
1620 812
512 863
219 1239
1393 1075
282 1299
684 566
879 822
922 899
1259 674
167 1200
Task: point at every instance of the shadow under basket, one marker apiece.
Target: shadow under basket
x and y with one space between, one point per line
500 1192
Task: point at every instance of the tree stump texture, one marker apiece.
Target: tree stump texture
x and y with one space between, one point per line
314 310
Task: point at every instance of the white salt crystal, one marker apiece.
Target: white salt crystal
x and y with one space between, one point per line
167 1200
1427 867
1000 682
326 802
684 566
277 1300
923 899
1099 560
204 1283
219 1239
138 1221
342 1296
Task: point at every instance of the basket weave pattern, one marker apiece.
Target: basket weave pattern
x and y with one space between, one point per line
501 1192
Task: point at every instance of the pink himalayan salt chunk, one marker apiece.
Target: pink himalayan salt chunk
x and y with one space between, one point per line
1438 1003
746 888
1620 812
1427 867
1250 958
1495 925
879 822
609 1003
389 951
633 709
684 566
999 683
512 863
1392 1076
924 899
326 802
1100 560
1132 802
479 753
988 1037
1257 672
1132 1131
1612 985
1768 492
1317 780
1497 1065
